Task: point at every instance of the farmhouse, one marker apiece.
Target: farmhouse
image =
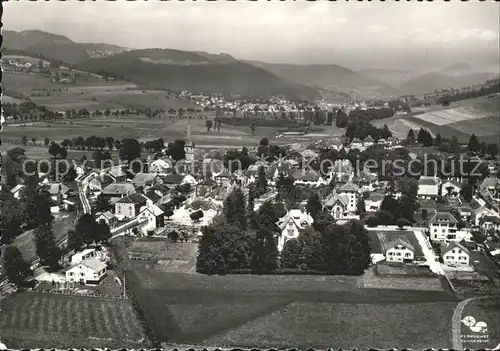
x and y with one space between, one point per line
455 253
399 251
108 217
83 255
291 224
87 272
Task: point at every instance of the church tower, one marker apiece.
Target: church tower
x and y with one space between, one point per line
189 149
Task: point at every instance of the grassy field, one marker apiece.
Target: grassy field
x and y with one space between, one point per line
487 311
347 326
92 94
203 310
33 320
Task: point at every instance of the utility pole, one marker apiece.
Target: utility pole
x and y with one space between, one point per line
124 281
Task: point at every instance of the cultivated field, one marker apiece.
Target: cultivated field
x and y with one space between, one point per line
347 326
399 126
92 93
225 310
33 320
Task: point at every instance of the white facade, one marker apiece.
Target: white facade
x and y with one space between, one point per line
443 227
87 272
291 224
454 189
428 187
456 255
399 253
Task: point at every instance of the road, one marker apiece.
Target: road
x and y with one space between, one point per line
82 184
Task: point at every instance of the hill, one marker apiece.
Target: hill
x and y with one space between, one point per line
428 82
392 77
55 46
328 77
181 70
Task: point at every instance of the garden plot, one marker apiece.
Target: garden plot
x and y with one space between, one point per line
445 117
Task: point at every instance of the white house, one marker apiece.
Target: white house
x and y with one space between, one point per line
451 188
490 223
291 224
399 251
209 207
152 218
308 178
443 227
17 191
428 187
108 217
83 255
455 254
350 191
87 272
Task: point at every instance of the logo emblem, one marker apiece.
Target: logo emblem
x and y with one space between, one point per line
477 327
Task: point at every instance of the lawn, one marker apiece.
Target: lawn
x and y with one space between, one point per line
31 320
487 311
346 326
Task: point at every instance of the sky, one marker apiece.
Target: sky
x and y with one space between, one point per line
418 36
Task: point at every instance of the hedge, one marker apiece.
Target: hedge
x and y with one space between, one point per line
282 271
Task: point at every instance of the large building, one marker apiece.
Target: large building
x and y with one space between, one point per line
189 149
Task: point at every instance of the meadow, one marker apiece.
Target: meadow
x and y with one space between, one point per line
30 320
91 93
287 311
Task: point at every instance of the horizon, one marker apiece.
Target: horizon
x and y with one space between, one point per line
406 37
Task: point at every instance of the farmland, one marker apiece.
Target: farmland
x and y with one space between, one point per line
61 321
347 326
225 310
92 94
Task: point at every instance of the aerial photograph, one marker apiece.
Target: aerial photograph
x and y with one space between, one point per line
250 174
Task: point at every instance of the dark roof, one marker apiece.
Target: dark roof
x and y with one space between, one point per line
152 195
133 199
443 217
427 181
173 178
447 247
118 188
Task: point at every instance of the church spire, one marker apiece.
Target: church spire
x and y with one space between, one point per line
189 140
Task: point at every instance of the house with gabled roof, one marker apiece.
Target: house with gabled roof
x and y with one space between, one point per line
454 253
130 205
115 191
58 192
351 192
117 173
428 187
209 207
87 272
337 205
144 180
108 217
308 178
399 250
152 217
291 224
490 223
443 227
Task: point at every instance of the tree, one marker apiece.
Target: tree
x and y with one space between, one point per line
314 205
290 255
24 140
208 124
130 150
410 137
386 133
11 215
176 150
454 144
262 180
110 142
196 216
173 235
438 141
446 103
361 208
492 150
83 234
46 247
312 251
234 209
102 204
473 143
102 233
17 270
264 252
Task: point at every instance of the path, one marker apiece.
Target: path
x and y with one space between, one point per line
457 320
429 254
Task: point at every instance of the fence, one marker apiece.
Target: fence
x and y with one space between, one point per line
74 292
